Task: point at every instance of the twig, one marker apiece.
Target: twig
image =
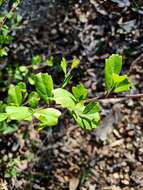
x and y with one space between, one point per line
115 97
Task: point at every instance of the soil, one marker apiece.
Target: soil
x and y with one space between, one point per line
67 157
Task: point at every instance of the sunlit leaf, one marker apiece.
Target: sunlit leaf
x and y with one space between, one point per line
19 113
44 85
64 65
92 107
48 116
33 99
64 98
80 92
14 95
112 65
36 60
74 64
87 117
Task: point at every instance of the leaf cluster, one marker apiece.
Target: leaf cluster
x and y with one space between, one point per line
22 105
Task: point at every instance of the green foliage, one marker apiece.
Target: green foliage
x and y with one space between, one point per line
87 117
74 64
44 85
68 75
21 106
80 92
36 60
121 83
92 107
33 99
114 82
64 65
48 116
5 30
15 95
19 113
64 98
50 61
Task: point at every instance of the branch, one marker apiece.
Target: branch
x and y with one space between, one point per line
114 98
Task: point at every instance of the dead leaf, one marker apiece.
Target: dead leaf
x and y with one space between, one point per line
73 184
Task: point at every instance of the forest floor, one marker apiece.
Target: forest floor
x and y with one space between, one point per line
67 157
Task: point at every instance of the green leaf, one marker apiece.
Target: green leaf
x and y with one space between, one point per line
36 60
22 86
74 64
64 98
14 95
87 121
64 65
50 61
80 92
44 85
87 116
23 69
67 79
118 79
19 113
112 65
92 107
3 117
33 99
123 86
48 116
121 83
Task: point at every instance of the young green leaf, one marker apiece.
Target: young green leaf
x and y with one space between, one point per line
19 113
112 65
67 79
87 121
44 85
48 116
123 86
64 98
50 61
118 79
80 92
121 83
36 60
74 64
22 86
92 107
14 96
33 99
64 65
87 116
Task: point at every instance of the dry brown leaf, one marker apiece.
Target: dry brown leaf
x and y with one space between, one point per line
73 184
